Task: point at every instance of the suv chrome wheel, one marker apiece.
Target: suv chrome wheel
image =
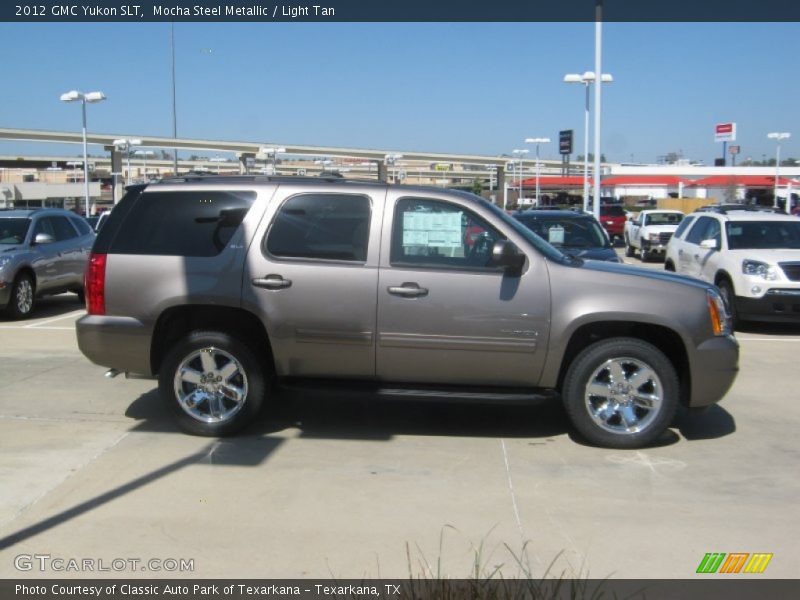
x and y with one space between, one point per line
623 395
210 385
24 296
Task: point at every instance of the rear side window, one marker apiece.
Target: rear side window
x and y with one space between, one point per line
181 223
81 225
321 227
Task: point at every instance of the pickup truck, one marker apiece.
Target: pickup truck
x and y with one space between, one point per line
650 232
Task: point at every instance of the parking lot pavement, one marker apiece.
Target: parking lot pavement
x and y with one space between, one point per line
319 487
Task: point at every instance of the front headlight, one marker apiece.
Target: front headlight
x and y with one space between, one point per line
756 268
653 237
4 260
720 320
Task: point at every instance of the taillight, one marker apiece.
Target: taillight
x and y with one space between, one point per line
95 284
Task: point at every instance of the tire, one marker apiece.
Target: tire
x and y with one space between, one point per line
23 297
183 375
629 250
645 254
610 415
668 266
729 297
81 296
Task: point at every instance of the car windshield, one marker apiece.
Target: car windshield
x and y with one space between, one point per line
567 232
664 218
749 235
541 245
13 230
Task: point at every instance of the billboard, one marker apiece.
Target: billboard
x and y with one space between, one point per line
725 132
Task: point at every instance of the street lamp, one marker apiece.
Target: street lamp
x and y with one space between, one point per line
521 153
74 164
586 79
124 145
778 137
537 141
218 159
492 174
91 97
391 160
144 154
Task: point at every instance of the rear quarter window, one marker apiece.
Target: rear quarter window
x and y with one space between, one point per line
181 223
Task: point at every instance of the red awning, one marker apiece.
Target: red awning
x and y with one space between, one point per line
750 181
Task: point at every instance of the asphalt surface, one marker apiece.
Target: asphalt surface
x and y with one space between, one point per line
93 468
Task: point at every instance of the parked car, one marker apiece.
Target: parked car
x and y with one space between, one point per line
42 252
752 255
574 233
650 232
612 218
223 287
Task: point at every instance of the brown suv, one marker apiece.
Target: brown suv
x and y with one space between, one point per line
226 286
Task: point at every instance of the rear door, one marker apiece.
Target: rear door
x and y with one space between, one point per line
311 274
446 315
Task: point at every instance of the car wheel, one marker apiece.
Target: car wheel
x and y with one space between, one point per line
213 383
645 255
621 393
729 298
23 297
629 251
81 296
668 266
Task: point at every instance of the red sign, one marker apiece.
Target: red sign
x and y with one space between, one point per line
725 132
733 149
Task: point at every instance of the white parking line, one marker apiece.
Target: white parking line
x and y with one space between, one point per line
26 328
770 339
54 319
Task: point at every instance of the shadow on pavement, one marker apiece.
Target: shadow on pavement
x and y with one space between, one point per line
715 423
48 307
789 329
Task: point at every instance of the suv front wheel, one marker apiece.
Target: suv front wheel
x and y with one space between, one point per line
621 393
213 383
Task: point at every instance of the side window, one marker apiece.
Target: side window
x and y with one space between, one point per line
713 232
44 225
81 225
64 230
197 223
321 227
683 226
697 233
437 234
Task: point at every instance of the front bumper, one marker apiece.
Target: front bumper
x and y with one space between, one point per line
654 247
121 343
777 306
715 366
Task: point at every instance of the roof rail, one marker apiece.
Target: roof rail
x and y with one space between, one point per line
726 208
214 178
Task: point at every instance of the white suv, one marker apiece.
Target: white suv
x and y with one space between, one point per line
752 255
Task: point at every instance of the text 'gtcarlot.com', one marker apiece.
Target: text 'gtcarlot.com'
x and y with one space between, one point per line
58 564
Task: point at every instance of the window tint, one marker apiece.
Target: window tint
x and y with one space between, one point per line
657 218
697 233
683 226
438 234
13 231
321 227
763 234
612 211
182 223
81 225
63 229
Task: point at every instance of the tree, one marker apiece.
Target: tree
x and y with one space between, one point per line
477 186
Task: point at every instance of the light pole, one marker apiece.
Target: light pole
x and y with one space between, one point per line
91 97
124 145
538 141
272 151
587 79
218 159
778 137
492 174
598 68
521 153
144 154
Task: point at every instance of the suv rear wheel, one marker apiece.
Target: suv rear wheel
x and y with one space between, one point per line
729 298
22 298
621 393
213 383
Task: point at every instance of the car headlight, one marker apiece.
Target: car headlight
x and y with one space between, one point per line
720 320
653 237
756 268
4 260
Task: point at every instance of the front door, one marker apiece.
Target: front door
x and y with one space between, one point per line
446 315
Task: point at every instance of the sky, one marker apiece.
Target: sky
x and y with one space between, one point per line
440 87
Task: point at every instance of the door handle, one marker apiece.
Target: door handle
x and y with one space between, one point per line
697 257
680 252
408 290
272 282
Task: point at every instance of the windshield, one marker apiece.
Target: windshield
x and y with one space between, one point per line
567 232
13 230
749 235
541 245
663 218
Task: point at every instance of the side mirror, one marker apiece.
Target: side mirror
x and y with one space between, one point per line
710 244
43 238
505 254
